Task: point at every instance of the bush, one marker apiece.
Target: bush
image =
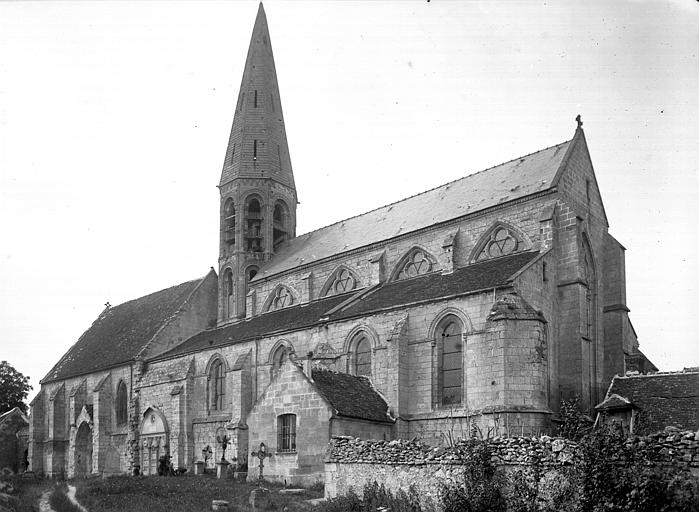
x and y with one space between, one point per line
375 497
61 503
479 488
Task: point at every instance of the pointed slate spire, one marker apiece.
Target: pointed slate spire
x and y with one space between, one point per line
257 147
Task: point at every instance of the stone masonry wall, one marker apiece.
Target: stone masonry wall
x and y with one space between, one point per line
352 463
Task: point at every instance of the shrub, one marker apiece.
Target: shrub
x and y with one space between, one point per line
478 489
61 503
375 497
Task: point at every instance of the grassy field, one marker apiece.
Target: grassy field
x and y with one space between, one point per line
178 494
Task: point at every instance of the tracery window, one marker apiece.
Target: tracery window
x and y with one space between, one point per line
217 385
450 361
501 243
282 298
342 282
122 399
418 263
286 433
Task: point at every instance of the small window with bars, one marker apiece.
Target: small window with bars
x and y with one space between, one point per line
286 433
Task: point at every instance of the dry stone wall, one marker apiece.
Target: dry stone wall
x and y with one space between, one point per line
398 464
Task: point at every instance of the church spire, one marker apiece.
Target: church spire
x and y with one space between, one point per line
257 147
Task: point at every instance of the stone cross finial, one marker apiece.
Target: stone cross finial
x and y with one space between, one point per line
579 120
107 305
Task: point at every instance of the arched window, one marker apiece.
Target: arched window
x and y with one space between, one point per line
499 240
280 224
217 385
416 263
253 227
280 356
229 221
362 355
228 298
122 404
450 360
341 281
281 298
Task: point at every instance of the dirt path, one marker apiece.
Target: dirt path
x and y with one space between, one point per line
44 502
71 497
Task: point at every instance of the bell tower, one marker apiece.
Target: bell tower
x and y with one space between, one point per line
258 195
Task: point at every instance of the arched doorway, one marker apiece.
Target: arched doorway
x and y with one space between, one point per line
153 441
83 450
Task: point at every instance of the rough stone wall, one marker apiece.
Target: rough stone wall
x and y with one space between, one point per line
352 463
290 392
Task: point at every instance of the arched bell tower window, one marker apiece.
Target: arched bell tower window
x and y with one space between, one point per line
122 404
450 371
280 224
253 228
229 221
228 293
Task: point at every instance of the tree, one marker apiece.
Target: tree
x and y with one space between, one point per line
14 388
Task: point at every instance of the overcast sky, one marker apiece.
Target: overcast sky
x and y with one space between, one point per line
114 119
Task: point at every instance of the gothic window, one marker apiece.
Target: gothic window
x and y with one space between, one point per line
122 404
449 344
280 223
343 281
279 357
253 227
286 433
282 298
217 385
361 357
500 243
417 263
589 277
229 221
255 102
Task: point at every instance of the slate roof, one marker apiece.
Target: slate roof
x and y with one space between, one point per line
669 399
120 332
508 181
478 276
351 396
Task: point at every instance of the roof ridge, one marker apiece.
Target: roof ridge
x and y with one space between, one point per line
430 189
156 292
658 374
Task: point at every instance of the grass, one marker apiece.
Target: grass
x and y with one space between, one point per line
175 494
28 492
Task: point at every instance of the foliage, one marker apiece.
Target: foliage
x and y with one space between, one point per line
574 424
523 491
616 476
14 388
375 498
178 494
60 502
479 487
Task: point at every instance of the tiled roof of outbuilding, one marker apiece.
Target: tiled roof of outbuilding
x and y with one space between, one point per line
668 399
351 396
120 332
478 276
505 182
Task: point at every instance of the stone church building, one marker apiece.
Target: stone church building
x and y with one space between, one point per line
474 306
